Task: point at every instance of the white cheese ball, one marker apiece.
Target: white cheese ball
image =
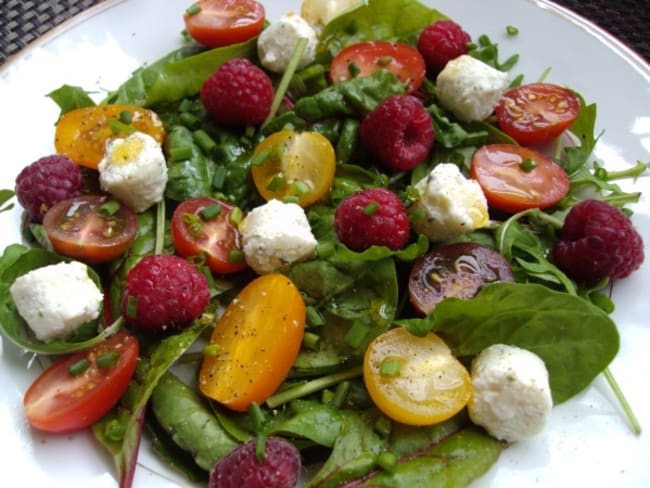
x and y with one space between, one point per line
319 12
276 43
449 204
511 393
469 88
55 300
134 170
276 235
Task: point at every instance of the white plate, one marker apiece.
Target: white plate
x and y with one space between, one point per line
588 442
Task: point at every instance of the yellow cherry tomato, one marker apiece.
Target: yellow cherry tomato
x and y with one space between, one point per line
255 343
297 165
415 380
81 134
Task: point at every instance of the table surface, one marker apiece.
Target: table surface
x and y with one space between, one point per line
22 21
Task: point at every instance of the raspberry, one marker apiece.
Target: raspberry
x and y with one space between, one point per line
47 181
399 132
241 468
238 94
597 241
374 216
166 291
441 42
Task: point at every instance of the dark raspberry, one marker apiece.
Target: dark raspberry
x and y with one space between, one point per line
597 241
164 291
45 182
241 468
399 132
238 94
441 42
374 216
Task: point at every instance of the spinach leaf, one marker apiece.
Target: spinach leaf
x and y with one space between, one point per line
188 177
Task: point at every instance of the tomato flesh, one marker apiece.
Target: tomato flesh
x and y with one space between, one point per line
536 113
516 178
364 58
214 238
427 385
59 402
83 229
258 339
81 134
223 22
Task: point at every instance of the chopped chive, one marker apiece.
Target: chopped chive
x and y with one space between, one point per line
117 126
180 153
327 396
383 426
291 199
204 141
219 177
109 208
387 461
193 223
185 105
193 9
210 212
371 208
325 249
260 158
301 188
126 117
310 340
131 306
353 69
236 216
212 350
511 30
528 164
235 256
275 184
356 335
190 120
314 317
385 60
107 360
79 367
390 367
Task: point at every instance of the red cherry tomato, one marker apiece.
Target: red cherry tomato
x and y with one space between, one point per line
61 402
364 58
215 23
204 227
536 113
516 178
90 228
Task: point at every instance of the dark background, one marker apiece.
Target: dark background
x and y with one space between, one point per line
22 21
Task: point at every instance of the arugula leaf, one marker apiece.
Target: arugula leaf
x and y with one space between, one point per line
5 196
69 98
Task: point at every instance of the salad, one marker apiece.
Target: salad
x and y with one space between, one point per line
226 287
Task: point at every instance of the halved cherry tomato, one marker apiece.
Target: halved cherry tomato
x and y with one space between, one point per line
415 380
203 227
90 228
257 340
215 23
61 402
536 113
364 58
298 165
81 134
516 178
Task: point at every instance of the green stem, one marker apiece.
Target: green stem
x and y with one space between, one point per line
633 172
627 409
160 227
312 386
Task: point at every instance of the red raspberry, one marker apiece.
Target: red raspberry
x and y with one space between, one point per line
241 468
47 181
597 241
399 132
374 216
238 94
441 42
166 291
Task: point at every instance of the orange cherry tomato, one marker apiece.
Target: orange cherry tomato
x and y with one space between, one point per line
364 58
215 23
90 228
257 340
294 164
516 178
536 113
81 134
415 380
61 402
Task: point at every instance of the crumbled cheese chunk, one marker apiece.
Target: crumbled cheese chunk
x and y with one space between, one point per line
449 204
276 235
276 43
469 88
511 393
319 12
134 170
55 300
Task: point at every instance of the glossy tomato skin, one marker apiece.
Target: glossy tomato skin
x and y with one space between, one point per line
81 134
536 113
224 22
515 178
216 238
364 58
78 228
59 402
